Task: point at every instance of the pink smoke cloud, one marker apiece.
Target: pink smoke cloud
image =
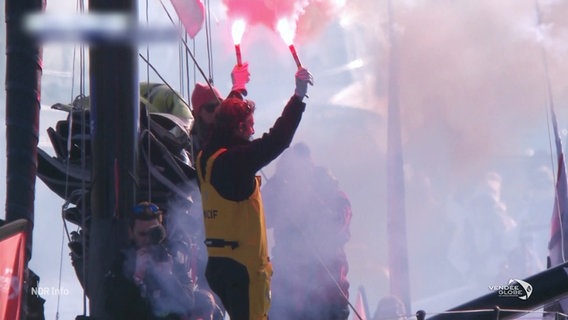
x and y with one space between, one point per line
311 16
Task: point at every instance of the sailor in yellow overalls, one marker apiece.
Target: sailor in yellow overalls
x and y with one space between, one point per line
236 238
238 268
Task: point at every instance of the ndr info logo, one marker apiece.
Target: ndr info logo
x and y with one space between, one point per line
515 288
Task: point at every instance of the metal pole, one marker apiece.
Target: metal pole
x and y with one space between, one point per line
114 118
396 212
547 286
23 92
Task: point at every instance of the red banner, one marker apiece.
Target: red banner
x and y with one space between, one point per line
191 14
12 257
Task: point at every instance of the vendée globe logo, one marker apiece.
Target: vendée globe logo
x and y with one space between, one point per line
514 288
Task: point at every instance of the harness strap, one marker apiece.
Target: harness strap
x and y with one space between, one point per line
221 243
208 165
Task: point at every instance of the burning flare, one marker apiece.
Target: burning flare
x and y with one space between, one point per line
287 31
239 26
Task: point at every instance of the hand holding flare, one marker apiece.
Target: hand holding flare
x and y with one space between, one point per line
303 76
238 30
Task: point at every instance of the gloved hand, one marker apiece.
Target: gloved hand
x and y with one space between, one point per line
240 77
303 77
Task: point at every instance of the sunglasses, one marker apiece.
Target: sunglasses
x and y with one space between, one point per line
210 107
146 208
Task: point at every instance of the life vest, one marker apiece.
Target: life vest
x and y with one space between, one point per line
234 229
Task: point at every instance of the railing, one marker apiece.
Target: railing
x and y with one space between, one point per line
486 314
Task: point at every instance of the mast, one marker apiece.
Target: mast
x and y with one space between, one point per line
557 246
396 213
23 92
114 118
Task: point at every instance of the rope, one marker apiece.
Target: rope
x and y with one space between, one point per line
194 65
80 7
148 146
83 184
315 252
188 51
313 248
181 63
161 77
186 64
208 40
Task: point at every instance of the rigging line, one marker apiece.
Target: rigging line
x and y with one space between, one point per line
187 50
73 72
157 174
558 142
82 107
187 78
61 248
194 66
208 40
59 280
164 80
60 273
315 252
66 230
83 202
182 58
180 63
148 146
313 247
69 136
185 81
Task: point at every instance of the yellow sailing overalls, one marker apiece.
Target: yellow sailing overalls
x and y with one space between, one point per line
237 230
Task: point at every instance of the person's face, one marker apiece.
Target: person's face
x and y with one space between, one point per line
246 128
207 112
140 232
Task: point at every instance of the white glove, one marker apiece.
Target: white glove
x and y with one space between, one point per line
303 77
240 77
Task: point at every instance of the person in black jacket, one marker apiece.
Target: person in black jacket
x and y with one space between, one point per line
310 216
238 268
142 284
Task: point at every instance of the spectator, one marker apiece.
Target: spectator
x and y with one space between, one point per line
141 284
310 216
204 100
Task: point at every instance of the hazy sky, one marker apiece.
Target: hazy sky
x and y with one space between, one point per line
475 129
